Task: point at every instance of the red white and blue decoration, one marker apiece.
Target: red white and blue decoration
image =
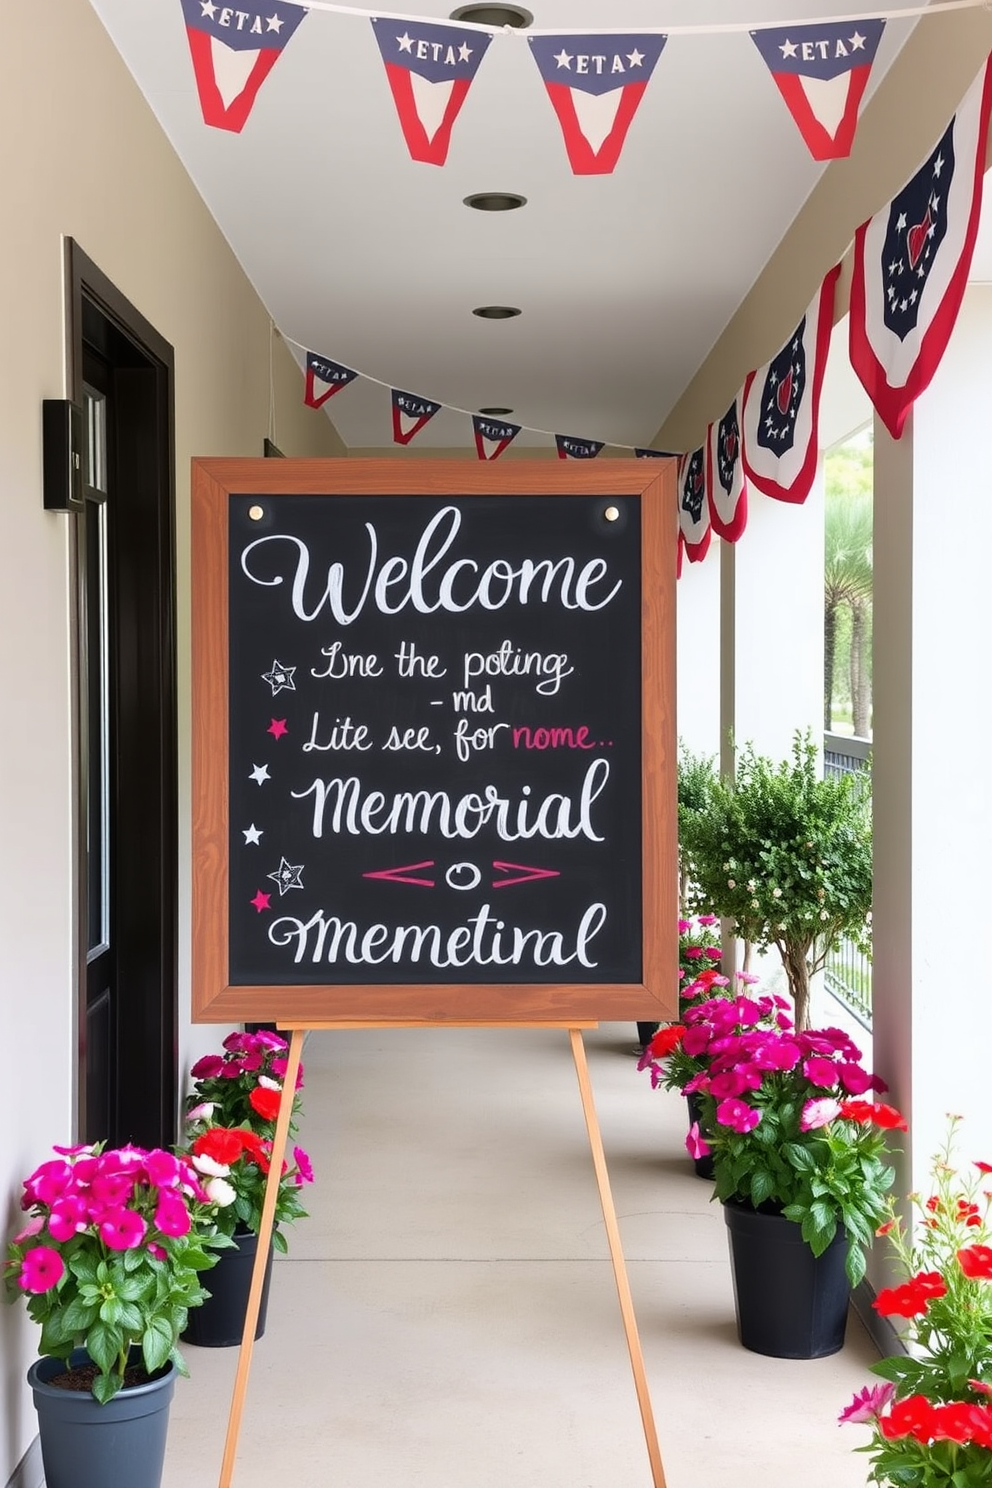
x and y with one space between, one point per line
410 414
781 405
233 50
595 84
430 70
694 509
911 263
492 436
577 449
324 378
726 485
653 454
822 71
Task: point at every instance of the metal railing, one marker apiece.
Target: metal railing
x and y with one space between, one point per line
847 973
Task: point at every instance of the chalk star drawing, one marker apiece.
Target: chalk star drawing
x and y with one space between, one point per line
260 773
280 678
287 876
261 901
277 727
251 834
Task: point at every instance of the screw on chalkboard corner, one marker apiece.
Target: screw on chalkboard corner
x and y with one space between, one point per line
611 514
256 513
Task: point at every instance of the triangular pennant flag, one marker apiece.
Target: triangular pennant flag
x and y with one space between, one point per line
492 436
822 71
233 52
694 511
911 264
324 379
595 84
781 405
429 69
726 486
652 454
577 449
410 414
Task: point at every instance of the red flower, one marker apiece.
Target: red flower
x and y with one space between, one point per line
913 1416
220 1143
265 1102
882 1115
976 1262
910 1299
665 1040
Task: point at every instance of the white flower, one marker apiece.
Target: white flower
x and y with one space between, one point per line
202 1112
220 1192
824 915
731 884
776 893
268 1084
821 893
754 904
752 886
204 1164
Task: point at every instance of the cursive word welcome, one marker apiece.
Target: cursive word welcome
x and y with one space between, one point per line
427 582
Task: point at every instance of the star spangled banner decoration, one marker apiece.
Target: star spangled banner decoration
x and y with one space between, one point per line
595 84
652 454
911 264
781 405
233 52
410 414
492 436
694 510
324 379
577 449
429 70
726 486
822 71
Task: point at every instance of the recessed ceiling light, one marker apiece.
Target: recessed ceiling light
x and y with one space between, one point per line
494 15
495 312
495 412
495 201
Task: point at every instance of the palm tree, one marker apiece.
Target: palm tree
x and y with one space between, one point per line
847 580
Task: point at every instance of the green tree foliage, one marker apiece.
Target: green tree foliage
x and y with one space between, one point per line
848 575
696 777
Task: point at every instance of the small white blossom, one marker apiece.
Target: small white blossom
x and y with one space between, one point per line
776 893
824 915
220 1192
731 883
754 904
202 1112
752 886
268 1084
204 1164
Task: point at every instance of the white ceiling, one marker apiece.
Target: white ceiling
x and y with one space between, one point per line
363 255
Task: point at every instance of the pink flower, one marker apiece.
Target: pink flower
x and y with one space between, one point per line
820 1071
202 1112
692 953
237 1043
265 1039
707 919
122 1229
164 1170
156 1251
818 1113
41 1269
726 1084
685 926
867 1403
171 1215
854 1079
714 952
304 1164
47 1183
33 1227
69 1216
695 1144
111 1190
738 1115
207 1068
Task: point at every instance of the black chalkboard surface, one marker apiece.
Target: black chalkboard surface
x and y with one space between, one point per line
433 742
434 739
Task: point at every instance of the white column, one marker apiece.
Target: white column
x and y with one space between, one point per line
697 598
932 796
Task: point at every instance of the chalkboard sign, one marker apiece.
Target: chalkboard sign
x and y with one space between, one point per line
431 716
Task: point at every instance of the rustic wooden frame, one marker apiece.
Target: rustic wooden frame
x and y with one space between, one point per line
214 1000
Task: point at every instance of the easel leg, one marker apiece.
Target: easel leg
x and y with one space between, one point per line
261 1255
616 1254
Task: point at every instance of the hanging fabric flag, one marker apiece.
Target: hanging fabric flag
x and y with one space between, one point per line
429 70
781 405
911 264
650 454
726 487
822 71
233 52
492 436
577 449
410 414
324 379
595 84
694 512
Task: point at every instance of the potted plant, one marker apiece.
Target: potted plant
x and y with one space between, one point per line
230 1126
786 854
931 1421
799 1164
108 1263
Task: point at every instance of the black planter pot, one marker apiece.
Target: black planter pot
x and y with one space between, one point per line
790 1303
220 1322
702 1165
88 1445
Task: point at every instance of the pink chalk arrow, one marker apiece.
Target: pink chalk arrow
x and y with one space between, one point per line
402 875
526 874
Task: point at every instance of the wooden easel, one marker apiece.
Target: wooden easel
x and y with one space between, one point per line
605 1196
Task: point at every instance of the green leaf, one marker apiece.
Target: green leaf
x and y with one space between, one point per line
103 1345
106 1386
157 1343
855 1264
798 1156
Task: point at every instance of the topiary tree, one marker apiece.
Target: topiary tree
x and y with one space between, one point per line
696 778
786 854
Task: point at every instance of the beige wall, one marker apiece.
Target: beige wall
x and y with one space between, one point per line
81 155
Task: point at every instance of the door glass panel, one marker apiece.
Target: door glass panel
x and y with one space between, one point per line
97 702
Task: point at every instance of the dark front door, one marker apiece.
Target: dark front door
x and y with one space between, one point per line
128 862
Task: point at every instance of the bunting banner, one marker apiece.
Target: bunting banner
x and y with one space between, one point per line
652 454
577 449
492 436
726 485
324 378
911 264
595 84
430 70
410 414
822 71
233 52
781 405
694 511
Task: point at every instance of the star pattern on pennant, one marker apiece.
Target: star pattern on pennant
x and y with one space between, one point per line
260 773
251 834
277 728
287 876
280 678
261 901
